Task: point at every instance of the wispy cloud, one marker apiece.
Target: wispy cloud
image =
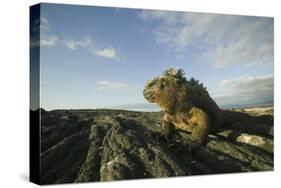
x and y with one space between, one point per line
44 24
246 90
41 24
48 39
109 85
44 41
73 44
221 39
109 53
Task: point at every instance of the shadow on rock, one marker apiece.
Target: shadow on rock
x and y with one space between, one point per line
108 145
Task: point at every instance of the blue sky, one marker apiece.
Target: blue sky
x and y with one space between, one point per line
97 57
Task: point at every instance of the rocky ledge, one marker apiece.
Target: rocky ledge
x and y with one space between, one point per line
107 145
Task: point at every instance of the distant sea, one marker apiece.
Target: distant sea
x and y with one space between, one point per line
143 107
260 104
155 108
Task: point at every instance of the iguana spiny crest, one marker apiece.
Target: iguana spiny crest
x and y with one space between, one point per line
186 103
172 87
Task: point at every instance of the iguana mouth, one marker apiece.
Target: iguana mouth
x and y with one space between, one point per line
148 95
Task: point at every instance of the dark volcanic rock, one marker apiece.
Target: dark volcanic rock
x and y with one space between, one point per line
107 145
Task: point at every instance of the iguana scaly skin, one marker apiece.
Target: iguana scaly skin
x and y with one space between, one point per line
186 103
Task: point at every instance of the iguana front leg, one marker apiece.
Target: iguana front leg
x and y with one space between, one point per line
168 128
199 122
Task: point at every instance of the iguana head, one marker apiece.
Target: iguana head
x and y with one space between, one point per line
163 89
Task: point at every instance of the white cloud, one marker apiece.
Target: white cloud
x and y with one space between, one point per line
103 83
247 82
245 90
44 24
166 17
221 39
41 24
47 39
72 44
109 85
40 28
109 53
34 42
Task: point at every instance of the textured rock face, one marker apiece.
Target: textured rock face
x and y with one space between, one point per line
107 145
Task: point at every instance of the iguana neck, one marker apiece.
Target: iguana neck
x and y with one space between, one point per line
169 102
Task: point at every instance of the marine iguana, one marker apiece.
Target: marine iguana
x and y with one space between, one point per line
187 105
